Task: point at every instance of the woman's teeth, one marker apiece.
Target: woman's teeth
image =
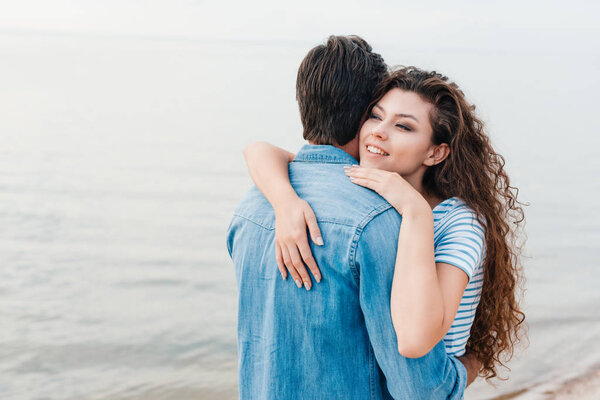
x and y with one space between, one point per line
373 149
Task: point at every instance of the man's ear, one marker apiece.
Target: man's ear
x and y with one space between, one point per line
437 154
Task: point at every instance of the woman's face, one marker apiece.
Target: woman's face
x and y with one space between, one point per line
397 135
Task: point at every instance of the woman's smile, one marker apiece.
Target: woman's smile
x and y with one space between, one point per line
376 151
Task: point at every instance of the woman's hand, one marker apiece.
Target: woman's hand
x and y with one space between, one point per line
292 249
390 185
268 166
472 365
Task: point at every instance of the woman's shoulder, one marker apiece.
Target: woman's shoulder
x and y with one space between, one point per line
455 212
450 206
459 237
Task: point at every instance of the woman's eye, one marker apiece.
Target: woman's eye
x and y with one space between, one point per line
404 127
374 116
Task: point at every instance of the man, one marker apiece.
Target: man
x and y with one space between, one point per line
336 341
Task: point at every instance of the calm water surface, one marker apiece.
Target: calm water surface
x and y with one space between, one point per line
121 166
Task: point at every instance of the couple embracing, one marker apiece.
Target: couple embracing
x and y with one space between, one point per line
406 288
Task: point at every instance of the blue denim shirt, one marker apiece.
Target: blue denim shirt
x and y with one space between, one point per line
335 341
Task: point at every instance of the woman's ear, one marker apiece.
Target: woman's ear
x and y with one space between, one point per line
437 154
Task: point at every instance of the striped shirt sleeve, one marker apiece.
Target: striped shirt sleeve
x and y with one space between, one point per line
461 241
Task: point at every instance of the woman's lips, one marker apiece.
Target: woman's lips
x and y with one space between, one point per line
376 150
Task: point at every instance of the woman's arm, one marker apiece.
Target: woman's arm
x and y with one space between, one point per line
268 167
425 295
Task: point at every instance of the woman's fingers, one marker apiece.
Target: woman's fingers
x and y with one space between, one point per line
293 252
290 266
365 182
279 259
366 173
368 177
362 182
299 265
309 260
390 185
299 274
313 227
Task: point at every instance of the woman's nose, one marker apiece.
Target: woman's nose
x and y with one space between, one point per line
379 132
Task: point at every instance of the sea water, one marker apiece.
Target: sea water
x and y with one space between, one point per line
121 165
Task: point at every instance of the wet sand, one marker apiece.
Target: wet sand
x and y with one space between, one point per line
586 387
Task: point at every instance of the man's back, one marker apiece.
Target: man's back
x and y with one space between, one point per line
333 341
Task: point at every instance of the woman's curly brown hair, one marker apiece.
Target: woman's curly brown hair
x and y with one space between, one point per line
475 173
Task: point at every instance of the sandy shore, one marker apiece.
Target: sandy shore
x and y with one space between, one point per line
586 387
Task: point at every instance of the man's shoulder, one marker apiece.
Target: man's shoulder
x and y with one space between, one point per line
255 208
333 197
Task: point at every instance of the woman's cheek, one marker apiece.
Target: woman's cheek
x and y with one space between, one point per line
362 134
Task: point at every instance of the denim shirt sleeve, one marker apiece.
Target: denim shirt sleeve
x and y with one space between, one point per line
433 376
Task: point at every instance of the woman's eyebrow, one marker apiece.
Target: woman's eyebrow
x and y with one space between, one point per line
398 115
407 116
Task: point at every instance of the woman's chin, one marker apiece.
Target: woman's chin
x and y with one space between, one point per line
370 162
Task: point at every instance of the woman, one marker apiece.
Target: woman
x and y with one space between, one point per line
457 270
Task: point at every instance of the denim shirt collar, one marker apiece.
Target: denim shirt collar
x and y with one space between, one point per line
324 154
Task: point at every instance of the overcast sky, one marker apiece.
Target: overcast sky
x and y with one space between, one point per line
543 25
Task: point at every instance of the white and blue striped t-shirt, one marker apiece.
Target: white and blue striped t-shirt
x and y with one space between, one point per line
459 240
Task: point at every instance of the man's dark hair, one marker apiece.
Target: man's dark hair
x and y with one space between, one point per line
334 87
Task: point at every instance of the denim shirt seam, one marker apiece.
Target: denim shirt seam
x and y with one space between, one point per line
254 222
352 255
324 161
372 373
329 221
359 229
375 212
352 258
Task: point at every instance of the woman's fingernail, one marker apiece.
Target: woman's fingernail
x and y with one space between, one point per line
283 276
307 286
298 283
318 278
319 241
